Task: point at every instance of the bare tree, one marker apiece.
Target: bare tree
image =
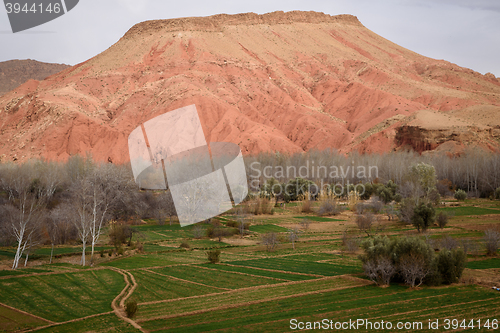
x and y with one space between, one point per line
492 240
270 240
413 269
380 270
293 235
28 192
197 231
305 223
365 222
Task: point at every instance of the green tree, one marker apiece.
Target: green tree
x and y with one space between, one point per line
425 175
451 264
423 216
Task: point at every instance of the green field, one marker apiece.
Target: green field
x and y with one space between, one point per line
250 289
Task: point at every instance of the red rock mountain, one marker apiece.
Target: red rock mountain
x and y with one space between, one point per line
13 73
285 82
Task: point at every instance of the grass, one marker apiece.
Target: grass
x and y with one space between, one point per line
263 228
108 323
213 277
154 287
11 320
484 264
141 261
61 297
468 210
317 218
298 266
147 311
259 272
391 304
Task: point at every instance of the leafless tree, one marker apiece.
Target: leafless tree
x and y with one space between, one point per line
365 222
197 231
380 271
413 269
305 223
491 240
28 191
293 235
449 243
270 240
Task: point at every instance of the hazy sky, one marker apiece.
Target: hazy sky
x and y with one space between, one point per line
465 32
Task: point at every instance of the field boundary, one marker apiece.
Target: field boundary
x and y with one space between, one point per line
236 305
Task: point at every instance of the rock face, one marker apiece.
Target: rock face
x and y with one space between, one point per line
13 73
286 82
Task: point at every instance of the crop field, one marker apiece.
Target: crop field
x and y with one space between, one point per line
62 297
250 289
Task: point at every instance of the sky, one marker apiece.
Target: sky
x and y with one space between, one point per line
464 32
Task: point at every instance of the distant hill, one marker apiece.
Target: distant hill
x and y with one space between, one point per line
13 73
288 82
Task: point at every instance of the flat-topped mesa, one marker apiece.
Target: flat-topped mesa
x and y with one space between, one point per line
216 22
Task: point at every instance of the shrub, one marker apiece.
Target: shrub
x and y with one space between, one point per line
213 256
197 231
442 219
184 245
120 251
110 252
407 210
423 216
413 257
450 265
377 262
102 253
140 247
270 240
491 239
305 224
365 221
350 243
449 243
460 195
329 207
131 308
496 195
306 206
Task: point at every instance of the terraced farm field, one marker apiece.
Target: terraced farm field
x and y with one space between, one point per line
250 290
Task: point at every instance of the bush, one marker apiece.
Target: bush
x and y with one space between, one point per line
491 239
377 262
442 219
110 252
449 243
102 253
407 210
140 247
413 257
365 221
306 206
460 195
184 245
423 216
329 207
120 251
270 240
450 265
496 195
197 231
131 308
213 256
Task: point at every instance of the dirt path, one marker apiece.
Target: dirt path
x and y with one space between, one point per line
119 309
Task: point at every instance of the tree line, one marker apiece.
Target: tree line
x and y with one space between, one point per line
58 203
